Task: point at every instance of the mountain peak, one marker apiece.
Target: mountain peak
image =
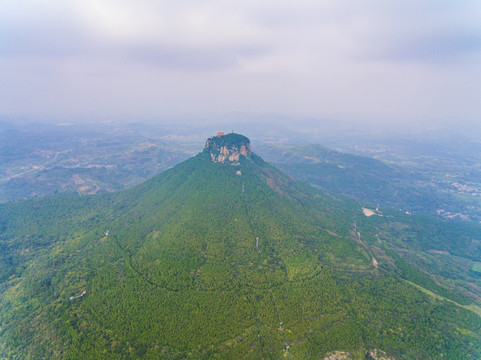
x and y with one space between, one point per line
228 148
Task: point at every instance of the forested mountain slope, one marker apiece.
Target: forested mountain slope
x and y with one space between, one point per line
223 256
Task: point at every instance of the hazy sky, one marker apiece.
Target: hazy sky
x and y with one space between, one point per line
406 61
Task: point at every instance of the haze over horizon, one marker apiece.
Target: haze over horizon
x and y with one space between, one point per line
375 62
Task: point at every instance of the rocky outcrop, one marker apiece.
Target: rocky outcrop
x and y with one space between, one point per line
228 149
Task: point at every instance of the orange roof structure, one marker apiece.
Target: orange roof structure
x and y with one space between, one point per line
219 134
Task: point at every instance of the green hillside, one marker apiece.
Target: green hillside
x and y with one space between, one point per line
210 260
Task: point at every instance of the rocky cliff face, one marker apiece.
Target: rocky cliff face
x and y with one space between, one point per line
230 148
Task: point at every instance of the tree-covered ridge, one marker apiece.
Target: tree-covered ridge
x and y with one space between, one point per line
212 261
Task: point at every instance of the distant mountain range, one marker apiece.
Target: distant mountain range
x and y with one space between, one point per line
377 183
224 256
412 176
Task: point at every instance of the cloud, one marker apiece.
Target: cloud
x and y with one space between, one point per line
433 47
191 58
370 58
427 30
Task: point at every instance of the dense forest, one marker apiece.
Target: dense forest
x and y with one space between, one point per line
210 260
